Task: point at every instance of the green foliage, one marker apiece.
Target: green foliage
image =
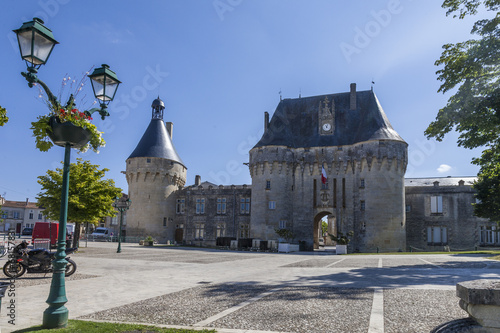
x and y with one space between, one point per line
90 196
66 113
473 67
286 234
324 227
40 129
468 7
488 185
342 239
69 113
3 116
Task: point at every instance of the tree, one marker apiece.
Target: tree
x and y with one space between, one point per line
324 227
488 185
286 234
473 67
3 116
90 197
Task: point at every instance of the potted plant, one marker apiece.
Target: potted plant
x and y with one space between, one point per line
149 240
342 241
66 124
288 236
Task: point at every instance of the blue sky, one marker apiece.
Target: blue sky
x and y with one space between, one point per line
219 65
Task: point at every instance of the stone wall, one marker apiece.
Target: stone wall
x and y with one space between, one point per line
365 192
457 216
212 217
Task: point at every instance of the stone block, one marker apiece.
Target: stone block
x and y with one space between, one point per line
481 299
484 292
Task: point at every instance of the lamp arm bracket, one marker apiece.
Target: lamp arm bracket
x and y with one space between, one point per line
32 78
103 111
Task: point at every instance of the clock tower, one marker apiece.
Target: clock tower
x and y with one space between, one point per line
326 115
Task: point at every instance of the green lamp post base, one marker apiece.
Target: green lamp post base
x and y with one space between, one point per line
55 317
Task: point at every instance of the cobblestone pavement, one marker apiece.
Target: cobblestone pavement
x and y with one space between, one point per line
255 292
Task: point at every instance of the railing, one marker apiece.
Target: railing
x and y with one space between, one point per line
41 243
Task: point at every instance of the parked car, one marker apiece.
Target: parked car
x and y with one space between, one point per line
101 233
27 231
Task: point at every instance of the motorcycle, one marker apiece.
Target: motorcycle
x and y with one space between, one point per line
34 261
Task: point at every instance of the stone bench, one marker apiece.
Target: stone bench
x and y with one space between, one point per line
481 299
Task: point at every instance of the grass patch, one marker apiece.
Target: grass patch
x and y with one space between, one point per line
82 326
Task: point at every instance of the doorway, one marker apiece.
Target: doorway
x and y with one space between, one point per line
324 223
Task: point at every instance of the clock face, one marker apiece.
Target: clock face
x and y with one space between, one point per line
327 127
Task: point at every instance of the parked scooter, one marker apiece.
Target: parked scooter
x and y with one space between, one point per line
34 261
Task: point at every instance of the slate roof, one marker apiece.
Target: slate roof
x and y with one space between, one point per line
295 122
156 142
443 181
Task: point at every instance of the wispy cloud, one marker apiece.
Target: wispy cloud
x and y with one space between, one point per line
444 168
109 32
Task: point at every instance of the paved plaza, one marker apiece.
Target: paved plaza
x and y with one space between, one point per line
255 292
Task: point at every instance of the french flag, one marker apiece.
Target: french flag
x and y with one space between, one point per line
323 175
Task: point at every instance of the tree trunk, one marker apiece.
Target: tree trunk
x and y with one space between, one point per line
76 235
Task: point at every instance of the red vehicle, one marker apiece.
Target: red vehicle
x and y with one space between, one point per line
47 230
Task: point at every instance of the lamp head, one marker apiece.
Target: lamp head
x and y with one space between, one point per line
104 83
36 42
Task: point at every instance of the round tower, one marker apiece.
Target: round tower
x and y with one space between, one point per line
154 173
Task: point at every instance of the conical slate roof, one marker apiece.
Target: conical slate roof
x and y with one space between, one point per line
156 142
295 122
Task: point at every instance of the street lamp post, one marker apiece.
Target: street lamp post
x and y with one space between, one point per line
121 206
36 43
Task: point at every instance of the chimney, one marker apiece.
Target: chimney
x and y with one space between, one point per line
197 180
353 96
266 120
170 128
27 200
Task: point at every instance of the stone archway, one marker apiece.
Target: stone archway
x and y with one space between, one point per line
317 233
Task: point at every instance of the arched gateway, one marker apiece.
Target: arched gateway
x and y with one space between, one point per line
318 234
334 155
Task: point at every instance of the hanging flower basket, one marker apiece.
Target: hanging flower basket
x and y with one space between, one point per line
66 125
67 132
